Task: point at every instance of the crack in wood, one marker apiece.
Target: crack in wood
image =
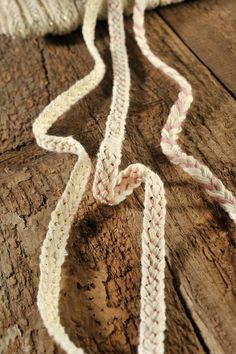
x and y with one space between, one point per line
187 310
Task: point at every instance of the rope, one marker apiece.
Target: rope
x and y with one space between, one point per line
173 126
53 249
112 185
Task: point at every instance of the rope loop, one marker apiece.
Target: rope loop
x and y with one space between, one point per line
112 185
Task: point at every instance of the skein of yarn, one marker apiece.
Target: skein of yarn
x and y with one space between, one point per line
111 185
24 18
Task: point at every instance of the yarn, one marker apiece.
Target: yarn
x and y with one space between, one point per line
24 18
111 186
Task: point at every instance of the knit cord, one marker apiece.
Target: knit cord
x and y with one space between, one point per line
111 187
53 249
177 115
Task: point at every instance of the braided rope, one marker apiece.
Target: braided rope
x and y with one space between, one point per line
177 115
112 186
53 249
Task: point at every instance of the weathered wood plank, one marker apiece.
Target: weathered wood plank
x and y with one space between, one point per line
101 277
208 28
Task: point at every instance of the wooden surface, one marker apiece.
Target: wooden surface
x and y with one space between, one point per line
101 277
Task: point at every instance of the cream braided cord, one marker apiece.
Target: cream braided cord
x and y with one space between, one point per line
177 115
53 250
112 186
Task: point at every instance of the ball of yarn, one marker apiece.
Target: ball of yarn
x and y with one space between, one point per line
27 18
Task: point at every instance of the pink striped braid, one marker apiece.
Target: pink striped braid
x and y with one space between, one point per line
177 115
111 187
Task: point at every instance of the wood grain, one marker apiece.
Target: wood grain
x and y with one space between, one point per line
208 29
101 276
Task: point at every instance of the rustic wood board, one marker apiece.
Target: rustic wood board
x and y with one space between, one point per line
101 276
208 29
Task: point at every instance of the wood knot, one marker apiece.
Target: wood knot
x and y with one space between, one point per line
88 227
86 287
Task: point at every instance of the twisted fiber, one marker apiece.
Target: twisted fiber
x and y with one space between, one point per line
177 115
